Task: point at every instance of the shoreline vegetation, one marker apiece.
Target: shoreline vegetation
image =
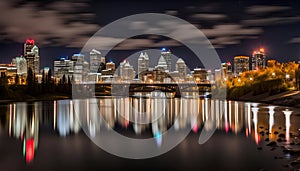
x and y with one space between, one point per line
277 84
19 93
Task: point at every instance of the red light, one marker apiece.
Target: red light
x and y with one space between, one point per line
195 128
30 41
29 150
226 127
228 63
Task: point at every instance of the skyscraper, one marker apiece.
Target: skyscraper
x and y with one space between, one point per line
127 72
63 66
95 60
143 64
226 70
241 64
168 58
80 67
258 59
162 64
31 54
21 66
181 67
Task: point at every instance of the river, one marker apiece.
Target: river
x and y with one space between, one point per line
71 134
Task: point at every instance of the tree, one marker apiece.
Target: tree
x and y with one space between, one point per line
43 81
17 80
30 81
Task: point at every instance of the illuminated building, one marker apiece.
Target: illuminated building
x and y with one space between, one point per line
162 64
63 66
95 60
143 64
111 66
127 72
168 58
31 54
181 67
258 59
80 68
200 75
21 65
241 64
226 70
9 71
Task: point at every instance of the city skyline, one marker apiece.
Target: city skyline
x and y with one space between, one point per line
272 25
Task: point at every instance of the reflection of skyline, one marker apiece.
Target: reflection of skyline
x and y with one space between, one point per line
140 115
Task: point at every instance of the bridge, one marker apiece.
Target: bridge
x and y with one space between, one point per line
129 89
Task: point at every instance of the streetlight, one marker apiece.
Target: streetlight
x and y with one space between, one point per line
273 74
287 76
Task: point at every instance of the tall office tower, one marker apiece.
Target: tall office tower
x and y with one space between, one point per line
181 67
31 54
168 57
127 72
143 64
21 65
258 59
79 67
162 64
226 70
241 64
95 60
63 66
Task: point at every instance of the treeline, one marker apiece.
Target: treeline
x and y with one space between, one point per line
271 87
47 86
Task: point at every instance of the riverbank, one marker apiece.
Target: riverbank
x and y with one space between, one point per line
43 97
287 98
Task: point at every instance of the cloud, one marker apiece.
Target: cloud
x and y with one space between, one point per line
209 17
271 21
230 30
294 40
60 23
264 9
171 12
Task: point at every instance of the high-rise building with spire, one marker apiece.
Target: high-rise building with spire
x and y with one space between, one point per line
31 54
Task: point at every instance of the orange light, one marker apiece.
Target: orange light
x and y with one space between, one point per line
262 50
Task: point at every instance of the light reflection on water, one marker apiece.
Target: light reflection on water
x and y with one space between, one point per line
141 115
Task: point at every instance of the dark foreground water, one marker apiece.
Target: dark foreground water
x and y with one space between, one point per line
48 136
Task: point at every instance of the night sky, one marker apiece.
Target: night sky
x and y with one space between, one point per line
233 27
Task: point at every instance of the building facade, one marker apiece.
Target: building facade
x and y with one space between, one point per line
95 60
167 55
258 59
31 54
181 67
143 64
241 64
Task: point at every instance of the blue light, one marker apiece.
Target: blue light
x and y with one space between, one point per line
111 61
158 138
163 49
